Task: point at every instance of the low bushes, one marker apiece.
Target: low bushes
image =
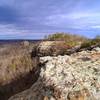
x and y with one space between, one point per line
70 39
91 43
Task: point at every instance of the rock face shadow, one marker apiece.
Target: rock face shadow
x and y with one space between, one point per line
19 84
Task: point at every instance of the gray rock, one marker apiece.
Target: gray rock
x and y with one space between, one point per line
97 49
66 78
53 48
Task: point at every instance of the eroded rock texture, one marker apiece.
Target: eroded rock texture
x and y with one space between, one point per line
74 77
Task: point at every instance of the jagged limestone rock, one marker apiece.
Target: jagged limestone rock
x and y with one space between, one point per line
67 78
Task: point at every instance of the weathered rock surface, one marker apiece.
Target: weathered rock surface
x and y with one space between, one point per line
53 48
74 77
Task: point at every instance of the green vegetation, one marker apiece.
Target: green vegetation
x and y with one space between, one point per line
91 42
70 39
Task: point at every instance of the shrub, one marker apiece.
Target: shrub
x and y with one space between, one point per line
70 39
91 42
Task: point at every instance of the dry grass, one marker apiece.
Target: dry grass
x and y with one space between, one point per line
91 42
71 39
14 60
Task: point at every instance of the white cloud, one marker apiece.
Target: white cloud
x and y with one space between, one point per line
75 20
10 29
96 26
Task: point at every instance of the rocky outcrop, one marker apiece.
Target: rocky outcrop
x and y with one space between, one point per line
53 48
74 77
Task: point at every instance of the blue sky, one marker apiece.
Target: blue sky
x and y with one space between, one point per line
33 19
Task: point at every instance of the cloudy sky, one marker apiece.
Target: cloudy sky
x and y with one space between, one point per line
33 19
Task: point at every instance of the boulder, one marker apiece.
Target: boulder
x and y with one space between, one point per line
77 79
97 49
53 48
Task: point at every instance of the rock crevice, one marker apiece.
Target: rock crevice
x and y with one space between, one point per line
67 77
